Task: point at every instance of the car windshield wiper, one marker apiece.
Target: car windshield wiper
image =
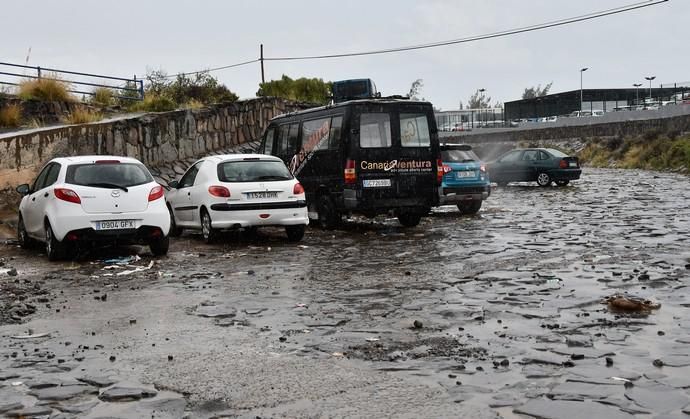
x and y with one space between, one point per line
107 185
272 177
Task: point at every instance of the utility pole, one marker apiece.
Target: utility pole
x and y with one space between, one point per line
263 80
581 96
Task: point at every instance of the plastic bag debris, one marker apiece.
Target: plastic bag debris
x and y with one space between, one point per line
137 269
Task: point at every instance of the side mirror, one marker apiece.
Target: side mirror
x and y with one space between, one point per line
24 189
173 184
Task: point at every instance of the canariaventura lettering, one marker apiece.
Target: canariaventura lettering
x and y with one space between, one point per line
396 165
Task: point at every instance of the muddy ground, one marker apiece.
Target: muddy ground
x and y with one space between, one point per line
502 314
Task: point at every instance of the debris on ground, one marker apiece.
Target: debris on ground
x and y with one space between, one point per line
630 304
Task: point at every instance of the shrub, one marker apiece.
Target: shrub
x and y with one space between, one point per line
102 96
82 116
192 104
50 89
11 115
202 87
154 103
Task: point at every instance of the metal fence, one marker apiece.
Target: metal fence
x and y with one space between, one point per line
123 88
469 119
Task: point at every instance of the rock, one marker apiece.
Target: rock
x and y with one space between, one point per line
30 412
577 357
609 361
6 407
505 363
12 272
97 381
112 358
170 357
658 363
61 393
418 324
124 394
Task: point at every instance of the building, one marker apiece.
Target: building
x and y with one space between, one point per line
607 100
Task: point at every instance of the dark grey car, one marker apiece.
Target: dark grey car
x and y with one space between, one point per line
541 165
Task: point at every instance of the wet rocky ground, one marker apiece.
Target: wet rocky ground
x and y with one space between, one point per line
551 302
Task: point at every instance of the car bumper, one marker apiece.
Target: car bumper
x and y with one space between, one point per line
228 216
88 223
452 195
566 174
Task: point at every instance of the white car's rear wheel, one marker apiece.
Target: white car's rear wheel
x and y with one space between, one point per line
207 230
54 249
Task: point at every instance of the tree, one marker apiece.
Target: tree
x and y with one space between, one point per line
479 100
312 90
415 90
201 87
532 92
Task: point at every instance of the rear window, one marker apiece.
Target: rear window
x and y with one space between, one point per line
375 130
414 130
253 171
459 156
108 174
556 153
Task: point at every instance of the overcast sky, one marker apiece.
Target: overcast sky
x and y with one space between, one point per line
130 36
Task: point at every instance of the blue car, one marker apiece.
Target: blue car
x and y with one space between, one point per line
466 181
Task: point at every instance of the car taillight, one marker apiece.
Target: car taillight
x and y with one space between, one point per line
350 172
298 189
156 193
439 171
563 164
219 191
447 169
67 195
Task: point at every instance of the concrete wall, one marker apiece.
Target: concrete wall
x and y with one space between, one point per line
159 140
489 143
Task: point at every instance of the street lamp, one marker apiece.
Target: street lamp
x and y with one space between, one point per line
581 71
650 86
480 104
637 92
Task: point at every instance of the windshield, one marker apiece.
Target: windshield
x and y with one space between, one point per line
253 171
414 130
108 175
459 156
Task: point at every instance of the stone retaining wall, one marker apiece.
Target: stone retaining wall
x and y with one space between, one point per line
159 140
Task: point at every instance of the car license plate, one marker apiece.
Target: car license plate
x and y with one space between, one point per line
464 174
573 164
115 224
261 195
376 183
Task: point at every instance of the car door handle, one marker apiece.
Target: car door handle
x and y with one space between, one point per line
33 199
188 193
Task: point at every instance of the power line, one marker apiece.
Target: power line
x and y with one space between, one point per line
509 32
208 70
561 22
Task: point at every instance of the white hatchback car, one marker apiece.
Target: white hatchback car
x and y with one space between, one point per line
235 191
87 199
